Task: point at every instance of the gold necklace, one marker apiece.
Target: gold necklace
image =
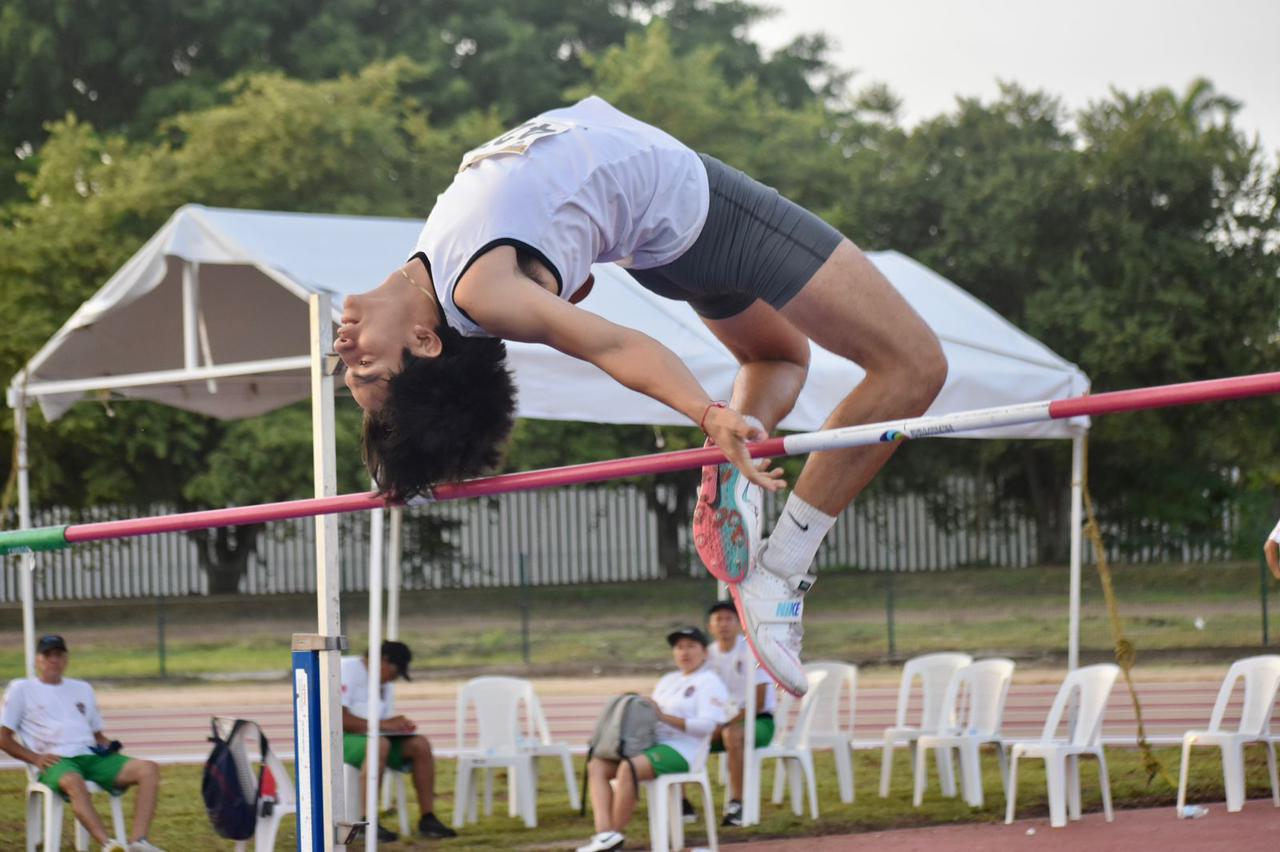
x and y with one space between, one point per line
423 290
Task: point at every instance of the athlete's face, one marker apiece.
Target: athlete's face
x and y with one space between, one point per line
689 655
376 327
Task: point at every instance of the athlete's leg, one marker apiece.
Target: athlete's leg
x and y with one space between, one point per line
774 359
851 309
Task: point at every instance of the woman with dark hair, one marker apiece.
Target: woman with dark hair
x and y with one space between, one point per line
506 254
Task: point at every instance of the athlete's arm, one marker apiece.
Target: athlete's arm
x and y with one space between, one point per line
503 301
1272 551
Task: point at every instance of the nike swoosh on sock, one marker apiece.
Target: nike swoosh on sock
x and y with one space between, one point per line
804 527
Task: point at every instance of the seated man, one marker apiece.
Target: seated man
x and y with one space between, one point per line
398 747
690 702
730 657
61 729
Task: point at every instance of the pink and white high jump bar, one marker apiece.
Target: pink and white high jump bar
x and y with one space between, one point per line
1163 396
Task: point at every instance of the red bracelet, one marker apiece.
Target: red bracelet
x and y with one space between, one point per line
702 424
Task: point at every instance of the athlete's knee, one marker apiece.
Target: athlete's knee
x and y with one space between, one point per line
930 367
917 371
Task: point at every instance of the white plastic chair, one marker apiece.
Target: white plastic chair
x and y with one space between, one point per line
666 820
975 699
1261 676
44 824
393 783
1086 690
284 804
791 747
934 672
827 732
496 702
537 742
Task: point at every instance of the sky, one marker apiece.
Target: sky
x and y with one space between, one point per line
930 51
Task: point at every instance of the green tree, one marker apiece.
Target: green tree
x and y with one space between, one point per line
1172 278
278 143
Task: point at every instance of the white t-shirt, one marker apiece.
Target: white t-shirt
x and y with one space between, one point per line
56 719
1275 533
355 689
700 699
733 666
575 186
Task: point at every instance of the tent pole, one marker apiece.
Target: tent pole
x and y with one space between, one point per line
27 564
393 573
328 578
1077 533
190 313
373 710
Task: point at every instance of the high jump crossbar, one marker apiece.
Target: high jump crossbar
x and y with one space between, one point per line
1089 405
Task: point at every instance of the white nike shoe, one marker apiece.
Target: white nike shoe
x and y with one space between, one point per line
605 841
144 845
770 608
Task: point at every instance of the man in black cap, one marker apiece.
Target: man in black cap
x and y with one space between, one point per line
61 729
399 747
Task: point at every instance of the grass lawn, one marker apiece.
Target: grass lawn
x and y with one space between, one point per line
181 825
611 628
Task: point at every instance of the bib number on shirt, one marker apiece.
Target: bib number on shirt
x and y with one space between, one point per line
517 140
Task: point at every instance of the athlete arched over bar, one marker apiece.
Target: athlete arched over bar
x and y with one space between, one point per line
506 254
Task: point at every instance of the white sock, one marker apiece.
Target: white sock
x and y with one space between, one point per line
797 536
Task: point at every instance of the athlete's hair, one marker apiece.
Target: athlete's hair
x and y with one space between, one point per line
445 419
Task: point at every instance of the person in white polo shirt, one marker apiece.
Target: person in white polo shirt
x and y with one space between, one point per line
61 729
399 746
729 655
691 702
1272 551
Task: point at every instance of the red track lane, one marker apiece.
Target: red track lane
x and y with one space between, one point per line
177 734
1254 829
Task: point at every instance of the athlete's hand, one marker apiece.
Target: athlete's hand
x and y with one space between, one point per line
730 431
44 761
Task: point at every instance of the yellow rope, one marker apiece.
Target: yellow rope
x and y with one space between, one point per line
1126 654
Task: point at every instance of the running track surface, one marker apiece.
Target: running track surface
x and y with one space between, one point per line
178 734
1254 829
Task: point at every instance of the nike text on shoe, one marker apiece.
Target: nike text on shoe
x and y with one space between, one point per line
726 522
770 608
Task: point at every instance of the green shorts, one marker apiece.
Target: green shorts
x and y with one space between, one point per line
101 770
764 734
665 760
353 750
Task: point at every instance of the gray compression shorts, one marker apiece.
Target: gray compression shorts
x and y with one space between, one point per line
755 244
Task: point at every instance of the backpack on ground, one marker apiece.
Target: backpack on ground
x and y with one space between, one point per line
229 787
624 730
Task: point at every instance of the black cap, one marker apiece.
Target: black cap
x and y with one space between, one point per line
398 655
725 605
687 633
52 642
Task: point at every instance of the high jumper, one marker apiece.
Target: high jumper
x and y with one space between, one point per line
506 254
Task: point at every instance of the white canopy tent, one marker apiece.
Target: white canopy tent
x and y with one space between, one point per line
211 315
